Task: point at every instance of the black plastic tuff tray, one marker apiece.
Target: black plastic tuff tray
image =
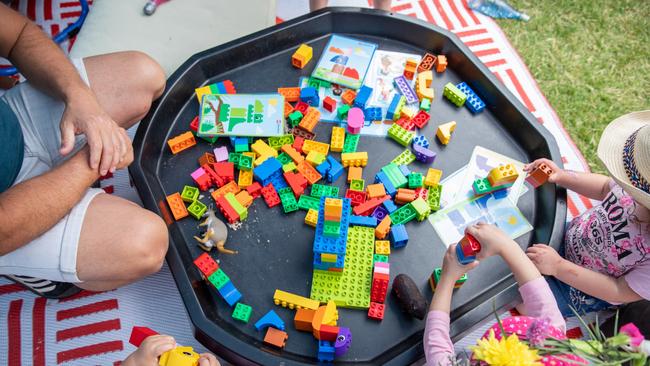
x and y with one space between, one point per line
275 250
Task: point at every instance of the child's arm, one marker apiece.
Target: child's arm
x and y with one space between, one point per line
591 185
601 286
537 296
437 344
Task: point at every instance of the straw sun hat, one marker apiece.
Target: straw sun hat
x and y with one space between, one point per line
624 149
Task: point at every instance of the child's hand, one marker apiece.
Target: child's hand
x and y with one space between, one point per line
493 240
208 359
149 351
451 268
557 172
545 258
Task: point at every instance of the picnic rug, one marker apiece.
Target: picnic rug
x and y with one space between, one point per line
93 328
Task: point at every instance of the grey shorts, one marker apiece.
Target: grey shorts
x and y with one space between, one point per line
53 255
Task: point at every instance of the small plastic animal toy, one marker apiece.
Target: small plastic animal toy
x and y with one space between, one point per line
215 235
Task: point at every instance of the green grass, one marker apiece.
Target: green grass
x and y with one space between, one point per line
590 58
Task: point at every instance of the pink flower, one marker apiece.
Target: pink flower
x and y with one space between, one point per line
611 268
625 244
626 200
633 332
538 331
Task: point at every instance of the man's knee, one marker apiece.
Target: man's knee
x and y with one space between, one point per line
149 72
149 244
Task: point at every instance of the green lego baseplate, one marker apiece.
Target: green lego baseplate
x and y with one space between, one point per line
350 288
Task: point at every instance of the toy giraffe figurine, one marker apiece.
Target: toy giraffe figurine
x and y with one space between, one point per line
215 235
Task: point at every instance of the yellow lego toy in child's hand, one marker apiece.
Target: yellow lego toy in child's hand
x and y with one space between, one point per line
161 350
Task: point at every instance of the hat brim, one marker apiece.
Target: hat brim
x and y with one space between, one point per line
610 151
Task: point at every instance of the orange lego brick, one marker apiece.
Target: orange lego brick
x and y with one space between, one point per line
348 97
291 94
230 187
244 198
376 190
355 172
177 206
275 337
383 228
293 154
288 108
310 120
303 320
428 60
181 142
441 63
302 56
207 158
310 173
539 175
404 196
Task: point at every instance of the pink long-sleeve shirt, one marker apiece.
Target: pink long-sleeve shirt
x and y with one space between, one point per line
538 301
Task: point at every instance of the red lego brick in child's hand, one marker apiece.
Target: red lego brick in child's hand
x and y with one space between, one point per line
139 334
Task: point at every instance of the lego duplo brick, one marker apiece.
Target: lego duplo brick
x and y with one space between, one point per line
350 288
474 103
334 245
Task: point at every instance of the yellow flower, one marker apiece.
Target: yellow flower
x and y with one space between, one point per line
508 351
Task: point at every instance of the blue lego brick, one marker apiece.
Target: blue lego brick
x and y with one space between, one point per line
405 170
230 293
309 95
266 171
372 114
363 221
241 144
323 168
334 245
474 103
278 182
381 177
390 206
399 236
362 97
421 140
335 171
270 319
232 141
325 351
462 259
390 113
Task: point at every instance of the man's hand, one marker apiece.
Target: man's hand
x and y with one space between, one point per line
109 144
545 258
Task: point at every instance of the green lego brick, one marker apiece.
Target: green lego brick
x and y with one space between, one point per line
401 135
241 210
357 184
219 279
211 139
405 158
421 208
454 94
190 194
245 163
277 142
415 180
482 186
288 200
395 175
398 108
320 190
425 104
317 83
403 214
433 200
289 167
240 148
284 158
233 157
197 209
350 288
294 118
315 158
379 258
306 202
351 142
438 272
332 228
342 111
242 312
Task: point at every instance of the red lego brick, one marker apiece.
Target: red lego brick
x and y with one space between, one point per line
422 193
270 196
206 264
297 182
227 210
229 86
329 104
297 143
469 245
225 170
421 119
139 334
328 332
406 123
194 125
356 197
254 189
214 177
376 311
302 107
203 181
379 287
368 206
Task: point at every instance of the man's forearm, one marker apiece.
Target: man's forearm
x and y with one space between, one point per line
32 207
591 185
598 285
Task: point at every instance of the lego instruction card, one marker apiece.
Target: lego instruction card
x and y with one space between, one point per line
241 115
345 61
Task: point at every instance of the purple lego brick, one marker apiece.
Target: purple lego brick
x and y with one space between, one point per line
343 341
379 213
423 154
405 88
221 153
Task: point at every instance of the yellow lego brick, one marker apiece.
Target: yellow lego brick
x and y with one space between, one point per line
423 85
261 148
337 139
444 132
433 177
179 356
286 299
302 56
260 160
503 174
328 257
382 247
249 153
315 158
311 218
202 91
245 178
331 314
311 145
354 159
408 112
333 209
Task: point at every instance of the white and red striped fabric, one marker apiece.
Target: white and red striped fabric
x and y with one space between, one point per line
93 329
